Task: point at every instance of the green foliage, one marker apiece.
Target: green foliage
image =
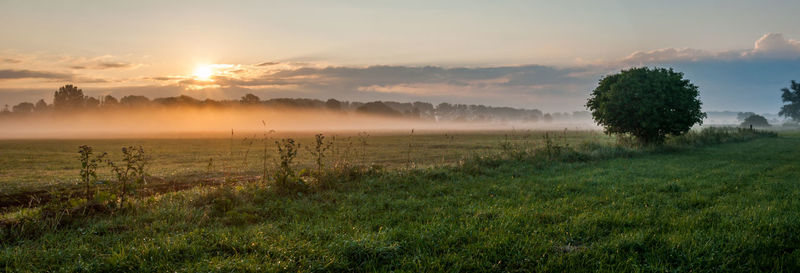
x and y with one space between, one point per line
649 104
791 100
89 165
318 152
718 135
286 179
130 173
755 121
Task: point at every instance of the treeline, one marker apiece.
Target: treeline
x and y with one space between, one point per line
69 98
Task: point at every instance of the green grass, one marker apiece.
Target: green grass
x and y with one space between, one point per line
727 207
29 165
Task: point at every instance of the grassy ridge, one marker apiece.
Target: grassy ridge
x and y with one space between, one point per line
729 207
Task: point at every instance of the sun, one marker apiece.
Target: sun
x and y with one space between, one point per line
203 72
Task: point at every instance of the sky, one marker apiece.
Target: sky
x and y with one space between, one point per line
546 55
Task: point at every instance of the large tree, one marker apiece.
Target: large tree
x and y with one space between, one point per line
649 104
68 97
755 121
791 100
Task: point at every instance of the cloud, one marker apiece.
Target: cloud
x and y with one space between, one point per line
7 74
775 46
107 65
268 63
769 46
667 55
101 65
11 61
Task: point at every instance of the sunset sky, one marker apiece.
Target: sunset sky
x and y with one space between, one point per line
531 54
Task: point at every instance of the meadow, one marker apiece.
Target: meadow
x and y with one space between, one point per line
42 164
704 202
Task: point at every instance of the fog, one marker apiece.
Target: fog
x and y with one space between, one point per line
219 122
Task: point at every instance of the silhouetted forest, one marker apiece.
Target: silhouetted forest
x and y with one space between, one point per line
70 99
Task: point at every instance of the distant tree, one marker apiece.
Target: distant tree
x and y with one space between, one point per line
134 101
182 100
41 106
5 110
110 101
333 105
791 100
211 103
250 99
413 113
68 97
646 103
23 108
378 108
755 121
744 115
548 117
91 103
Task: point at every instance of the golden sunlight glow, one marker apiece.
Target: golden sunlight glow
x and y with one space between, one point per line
203 72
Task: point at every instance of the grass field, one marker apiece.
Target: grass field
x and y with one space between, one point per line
29 165
726 207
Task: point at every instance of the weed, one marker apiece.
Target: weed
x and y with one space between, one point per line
286 180
318 151
130 173
89 168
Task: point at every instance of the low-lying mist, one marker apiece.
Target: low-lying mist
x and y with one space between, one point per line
219 122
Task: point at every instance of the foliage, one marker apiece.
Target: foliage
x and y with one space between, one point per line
23 108
286 179
649 104
791 100
755 121
68 97
744 115
318 152
250 99
89 165
130 173
717 135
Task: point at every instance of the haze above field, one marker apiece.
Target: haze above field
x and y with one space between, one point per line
530 54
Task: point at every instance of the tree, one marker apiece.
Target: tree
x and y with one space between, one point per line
41 106
23 108
134 101
378 108
250 99
646 103
110 101
744 115
792 97
91 103
333 105
755 121
68 97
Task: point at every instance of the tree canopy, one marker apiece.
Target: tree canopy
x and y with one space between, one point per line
755 121
68 97
791 100
646 103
